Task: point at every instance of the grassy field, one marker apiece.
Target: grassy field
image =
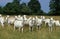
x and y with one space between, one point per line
8 33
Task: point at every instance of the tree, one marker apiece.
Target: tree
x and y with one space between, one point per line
55 7
25 9
12 8
1 10
34 5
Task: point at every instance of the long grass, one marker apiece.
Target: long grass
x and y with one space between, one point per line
8 33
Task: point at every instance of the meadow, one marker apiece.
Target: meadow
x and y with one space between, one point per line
8 33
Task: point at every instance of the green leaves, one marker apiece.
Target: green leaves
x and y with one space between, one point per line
55 7
25 9
1 10
15 8
34 5
12 8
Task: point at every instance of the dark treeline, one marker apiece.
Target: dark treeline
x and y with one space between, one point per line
32 8
54 7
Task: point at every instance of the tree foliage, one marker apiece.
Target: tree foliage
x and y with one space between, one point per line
35 6
25 9
1 10
14 8
55 7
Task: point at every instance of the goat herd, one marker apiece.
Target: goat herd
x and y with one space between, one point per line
20 21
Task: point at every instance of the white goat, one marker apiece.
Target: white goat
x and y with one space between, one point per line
43 18
19 23
31 23
25 19
10 20
50 24
38 22
47 21
57 23
2 20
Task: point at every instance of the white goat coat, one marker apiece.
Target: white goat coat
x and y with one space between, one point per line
11 20
2 21
57 23
47 21
38 22
25 20
31 22
50 24
19 23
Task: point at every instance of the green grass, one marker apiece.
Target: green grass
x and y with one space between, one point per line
8 33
